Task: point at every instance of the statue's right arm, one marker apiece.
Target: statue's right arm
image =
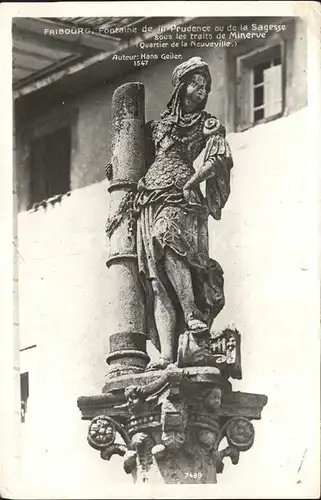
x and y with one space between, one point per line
204 173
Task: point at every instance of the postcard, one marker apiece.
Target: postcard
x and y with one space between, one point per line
161 202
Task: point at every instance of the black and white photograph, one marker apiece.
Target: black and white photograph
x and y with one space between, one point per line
165 337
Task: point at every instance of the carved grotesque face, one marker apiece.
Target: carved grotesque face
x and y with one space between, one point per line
196 89
213 399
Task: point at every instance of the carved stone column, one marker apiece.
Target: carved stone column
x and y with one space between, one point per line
127 339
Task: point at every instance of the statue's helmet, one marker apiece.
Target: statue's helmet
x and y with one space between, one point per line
192 65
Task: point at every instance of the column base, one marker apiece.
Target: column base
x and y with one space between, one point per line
127 355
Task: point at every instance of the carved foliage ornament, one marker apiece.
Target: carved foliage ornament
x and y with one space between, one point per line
125 209
102 434
239 432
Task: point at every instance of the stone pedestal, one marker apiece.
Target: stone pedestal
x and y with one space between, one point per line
171 423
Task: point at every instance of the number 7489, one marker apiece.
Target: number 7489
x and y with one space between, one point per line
193 475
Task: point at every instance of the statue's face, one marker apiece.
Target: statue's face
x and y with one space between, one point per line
196 89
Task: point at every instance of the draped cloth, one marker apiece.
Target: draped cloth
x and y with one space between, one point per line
218 188
164 224
166 220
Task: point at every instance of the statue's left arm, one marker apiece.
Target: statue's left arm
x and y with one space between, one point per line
215 169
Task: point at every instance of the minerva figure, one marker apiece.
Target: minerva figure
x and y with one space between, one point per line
184 287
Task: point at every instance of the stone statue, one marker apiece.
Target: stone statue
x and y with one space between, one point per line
183 286
178 418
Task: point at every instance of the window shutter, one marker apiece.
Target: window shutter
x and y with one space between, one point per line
243 112
273 90
38 174
50 165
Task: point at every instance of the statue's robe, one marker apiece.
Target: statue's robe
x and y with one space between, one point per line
165 219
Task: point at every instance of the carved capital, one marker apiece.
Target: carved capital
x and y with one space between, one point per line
173 423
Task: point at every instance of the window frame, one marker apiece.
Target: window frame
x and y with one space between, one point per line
244 70
47 125
45 171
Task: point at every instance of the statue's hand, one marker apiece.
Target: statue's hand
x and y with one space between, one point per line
190 196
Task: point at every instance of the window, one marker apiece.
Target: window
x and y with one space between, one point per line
50 165
260 95
24 394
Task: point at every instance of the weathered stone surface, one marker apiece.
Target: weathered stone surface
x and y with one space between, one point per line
172 423
128 147
222 350
151 379
128 337
173 415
